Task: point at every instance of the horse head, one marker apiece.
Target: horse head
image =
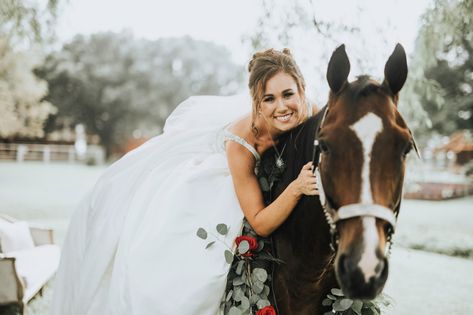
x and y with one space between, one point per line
363 142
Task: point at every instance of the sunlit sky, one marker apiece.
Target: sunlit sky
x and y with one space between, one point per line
382 24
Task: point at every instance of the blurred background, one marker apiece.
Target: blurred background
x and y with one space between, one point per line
82 82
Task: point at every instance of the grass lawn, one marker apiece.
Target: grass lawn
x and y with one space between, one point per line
422 280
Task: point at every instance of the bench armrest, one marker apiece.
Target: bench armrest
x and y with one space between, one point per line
41 235
12 288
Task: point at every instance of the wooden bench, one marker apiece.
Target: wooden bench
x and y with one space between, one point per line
24 273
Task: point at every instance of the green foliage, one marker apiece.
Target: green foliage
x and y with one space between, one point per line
342 305
117 85
23 111
202 233
441 77
30 21
248 279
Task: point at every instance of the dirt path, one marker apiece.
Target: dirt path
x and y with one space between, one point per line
423 283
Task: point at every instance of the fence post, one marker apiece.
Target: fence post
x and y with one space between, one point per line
46 154
21 150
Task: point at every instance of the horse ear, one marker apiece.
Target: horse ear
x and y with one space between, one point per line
395 71
338 69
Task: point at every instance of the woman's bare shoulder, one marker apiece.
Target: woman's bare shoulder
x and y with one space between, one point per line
241 126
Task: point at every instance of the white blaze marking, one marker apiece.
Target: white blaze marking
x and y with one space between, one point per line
369 261
366 129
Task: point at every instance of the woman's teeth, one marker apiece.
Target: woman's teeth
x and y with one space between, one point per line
284 118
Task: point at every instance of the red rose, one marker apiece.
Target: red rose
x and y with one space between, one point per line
251 241
267 310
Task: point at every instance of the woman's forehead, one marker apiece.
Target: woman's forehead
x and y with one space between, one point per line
279 83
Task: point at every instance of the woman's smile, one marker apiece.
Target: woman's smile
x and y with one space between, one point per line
284 118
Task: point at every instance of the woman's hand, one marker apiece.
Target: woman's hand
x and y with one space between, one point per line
306 182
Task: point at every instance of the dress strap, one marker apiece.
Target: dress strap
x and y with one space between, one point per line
228 135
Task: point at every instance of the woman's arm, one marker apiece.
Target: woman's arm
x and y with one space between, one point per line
265 220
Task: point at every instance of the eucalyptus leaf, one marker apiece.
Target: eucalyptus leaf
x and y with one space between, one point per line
257 287
262 303
228 256
327 302
229 296
239 268
331 297
356 307
209 244
234 311
342 305
237 281
245 304
237 294
222 228
264 184
265 291
246 224
243 276
260 274
254 298
260 246
336 292
202 233
243 247
375 310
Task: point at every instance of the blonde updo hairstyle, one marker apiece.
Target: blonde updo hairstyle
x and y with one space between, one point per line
262 67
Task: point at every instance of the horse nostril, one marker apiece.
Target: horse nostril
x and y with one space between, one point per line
379 267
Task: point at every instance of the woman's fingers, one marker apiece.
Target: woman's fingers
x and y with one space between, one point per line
307 166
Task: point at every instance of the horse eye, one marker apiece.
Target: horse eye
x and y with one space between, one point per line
323 146
407 149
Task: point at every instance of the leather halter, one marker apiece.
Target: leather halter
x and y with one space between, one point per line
334 216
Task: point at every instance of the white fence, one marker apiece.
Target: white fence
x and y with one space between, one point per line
50 152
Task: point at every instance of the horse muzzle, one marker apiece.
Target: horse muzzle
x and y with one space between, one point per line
353 280
361 265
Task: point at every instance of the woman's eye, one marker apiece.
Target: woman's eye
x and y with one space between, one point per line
287 95
269 99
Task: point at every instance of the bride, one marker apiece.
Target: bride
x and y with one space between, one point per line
132 248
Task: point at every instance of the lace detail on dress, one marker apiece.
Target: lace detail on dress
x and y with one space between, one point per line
228 135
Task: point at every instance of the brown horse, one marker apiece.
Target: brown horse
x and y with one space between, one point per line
362 142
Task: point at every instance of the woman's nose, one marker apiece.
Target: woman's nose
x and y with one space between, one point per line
281 103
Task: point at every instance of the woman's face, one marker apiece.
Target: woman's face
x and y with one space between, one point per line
281 106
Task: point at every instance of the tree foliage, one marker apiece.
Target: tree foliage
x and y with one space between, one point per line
119 86
23 26
27 22
22 108
442 68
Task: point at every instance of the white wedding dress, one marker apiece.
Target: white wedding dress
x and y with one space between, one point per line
131 248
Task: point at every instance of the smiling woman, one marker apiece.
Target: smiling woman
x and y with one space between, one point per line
131 238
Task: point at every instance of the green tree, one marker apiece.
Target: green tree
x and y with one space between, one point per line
24 26
118 85
22 110
28 22
442 68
